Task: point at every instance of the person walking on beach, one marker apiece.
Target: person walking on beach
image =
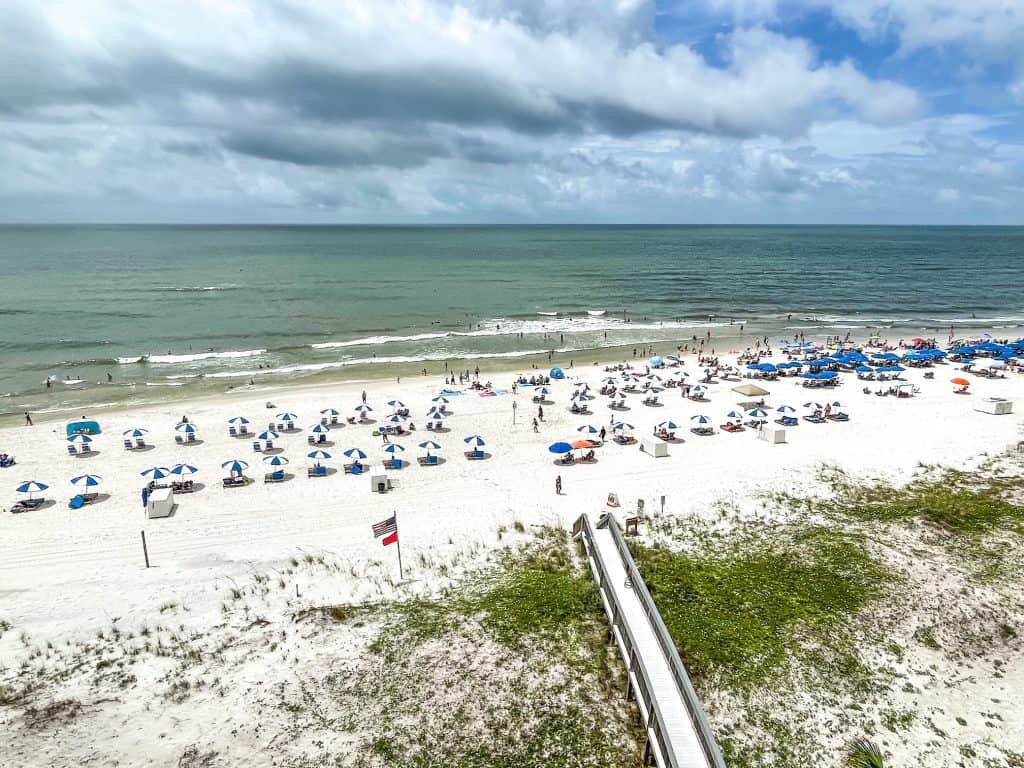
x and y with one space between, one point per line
535 428
540 412
364 397
558 485
28 420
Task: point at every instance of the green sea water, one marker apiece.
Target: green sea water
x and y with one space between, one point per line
143 314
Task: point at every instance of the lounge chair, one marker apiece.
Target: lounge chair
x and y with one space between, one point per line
140 442
232 432
394 464
270 445
185 486
235 481
84 448
274 477
71 450
323 421
814 418
354 468
243 430
474 455
25 505
731 427
788 421
318 471
77 502
427 461
625 440
191 437
128 445
179 440
311 439
702 431
839 416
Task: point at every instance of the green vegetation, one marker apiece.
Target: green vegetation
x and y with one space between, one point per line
739 614
509 669
864 754
957 502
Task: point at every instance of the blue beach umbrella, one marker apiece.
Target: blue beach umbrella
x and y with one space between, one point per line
287 416
757 413
700 419
542 391
355 453
238 420
430 445
136 432
784 409
394 448
582 397
836 404
183 469
275 461
622 426
396 403
188 429
318 455
668 426
734 415
435 413
395 419
320 429
363 408
235 465
559 448
88 481
268 435
557 373
330 412
79 438
474 441
155 473
31 486
440 400
588 429
609 380
656 362
813 406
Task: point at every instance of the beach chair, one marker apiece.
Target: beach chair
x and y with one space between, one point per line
702 431
140 442
270 445
427 461
787 421
357 469
128 445
474 455
71 450
394 464
274 477
232 432
839 416
235 482
731 427
311 439
179 440
84 449
191 437
256 447
323 421
814 418
318 470
243 430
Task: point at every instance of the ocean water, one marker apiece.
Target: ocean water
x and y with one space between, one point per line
170 311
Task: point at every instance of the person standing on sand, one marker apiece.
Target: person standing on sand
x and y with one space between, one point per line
535 428
28 420
364 397
540 412
558 485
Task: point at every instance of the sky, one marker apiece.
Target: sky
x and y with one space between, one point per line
494 111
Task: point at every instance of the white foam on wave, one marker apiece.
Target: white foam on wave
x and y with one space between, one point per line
554 324
192 358
392 359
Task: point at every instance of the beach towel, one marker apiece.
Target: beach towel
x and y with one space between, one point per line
77 502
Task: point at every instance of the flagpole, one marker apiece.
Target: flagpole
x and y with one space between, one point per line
398 543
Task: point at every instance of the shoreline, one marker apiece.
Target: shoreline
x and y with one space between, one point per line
381 373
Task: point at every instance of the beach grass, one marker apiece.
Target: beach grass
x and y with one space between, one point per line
508 668
740 613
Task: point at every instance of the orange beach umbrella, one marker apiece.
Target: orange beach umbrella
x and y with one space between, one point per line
960 382
582 444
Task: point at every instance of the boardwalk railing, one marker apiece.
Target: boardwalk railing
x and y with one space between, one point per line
659 744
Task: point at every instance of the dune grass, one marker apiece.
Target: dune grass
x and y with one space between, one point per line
740 613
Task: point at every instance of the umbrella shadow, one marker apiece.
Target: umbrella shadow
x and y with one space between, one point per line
328 471
197 441
440 460
486 455
100 498
366 421
196 488
144 449
88 454
288 476
658 404
272 451
441 431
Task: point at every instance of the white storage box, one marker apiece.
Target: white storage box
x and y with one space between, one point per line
996 405
772 434
654 447
160 503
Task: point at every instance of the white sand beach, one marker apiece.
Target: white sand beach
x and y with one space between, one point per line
66 575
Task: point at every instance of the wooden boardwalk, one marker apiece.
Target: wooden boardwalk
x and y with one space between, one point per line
678 732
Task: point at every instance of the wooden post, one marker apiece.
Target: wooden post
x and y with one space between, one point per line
145 551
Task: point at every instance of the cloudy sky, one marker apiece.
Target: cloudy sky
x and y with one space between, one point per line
294 111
